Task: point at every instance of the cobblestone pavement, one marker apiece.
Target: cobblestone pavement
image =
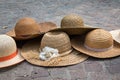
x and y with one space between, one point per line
98 13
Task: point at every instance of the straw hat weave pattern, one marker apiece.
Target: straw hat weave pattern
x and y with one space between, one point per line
27 28
73 24
97 43
72 21
9 54
99 39
7 46
57 40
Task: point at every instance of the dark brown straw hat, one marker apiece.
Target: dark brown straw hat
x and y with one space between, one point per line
27 28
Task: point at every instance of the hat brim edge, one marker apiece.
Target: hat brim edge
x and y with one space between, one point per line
42 29
79 46
16 60
24 54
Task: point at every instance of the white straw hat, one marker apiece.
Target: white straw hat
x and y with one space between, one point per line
9 54
116 35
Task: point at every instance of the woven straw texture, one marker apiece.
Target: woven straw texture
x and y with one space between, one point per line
95 43
16 60
26 26
73 25
99 39
71 21
7 47
47 26
74 31
30 52
116 35
43 28
58 40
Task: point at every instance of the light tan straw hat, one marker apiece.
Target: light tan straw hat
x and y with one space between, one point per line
56 40
27 28
73 25
116 35
9 54
98 43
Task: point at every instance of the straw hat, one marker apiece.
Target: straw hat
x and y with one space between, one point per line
27 28
72 21
98 43
58 40
116 35
9 54
73 25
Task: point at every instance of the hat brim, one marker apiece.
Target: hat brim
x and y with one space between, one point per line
17 59
116 35
12 34
78 44
30 51
44 27
75 31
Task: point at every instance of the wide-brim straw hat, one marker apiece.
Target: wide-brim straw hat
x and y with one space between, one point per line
42 28
17 59
74 31
116 35
11 55
73 24
101 39
30 51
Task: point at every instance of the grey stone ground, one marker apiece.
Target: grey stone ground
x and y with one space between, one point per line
98 13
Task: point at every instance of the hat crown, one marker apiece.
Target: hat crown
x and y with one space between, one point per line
99 39
58 40
26 26
7 45
119 34
72 21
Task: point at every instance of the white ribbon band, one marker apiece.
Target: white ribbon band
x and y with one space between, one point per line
98 50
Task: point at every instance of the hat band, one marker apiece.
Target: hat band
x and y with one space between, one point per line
99 50
9 56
